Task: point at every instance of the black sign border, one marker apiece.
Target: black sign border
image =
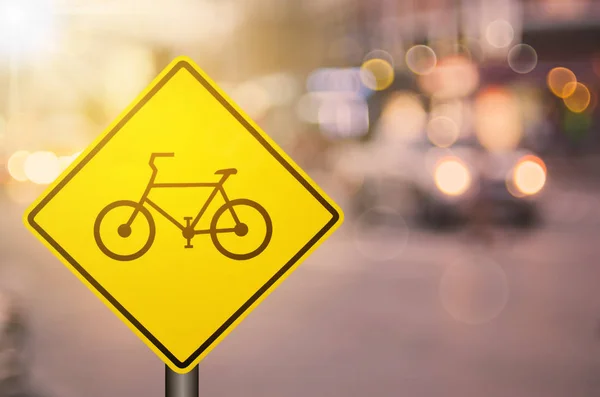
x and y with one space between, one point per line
335 216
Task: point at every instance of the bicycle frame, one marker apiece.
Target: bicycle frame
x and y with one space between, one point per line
216 186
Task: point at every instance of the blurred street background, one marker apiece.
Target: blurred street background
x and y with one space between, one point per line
461 138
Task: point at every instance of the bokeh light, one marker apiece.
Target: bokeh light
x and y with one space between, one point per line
421 59
499 33
403 117
497 120
377 74
559 80
42 167
335 101
253 98
380 54
522 58
16 165
27 27
334 80
343 117
579 99
592 105
281 87
65 161
442 131
453 77
529 175
456 109
452 176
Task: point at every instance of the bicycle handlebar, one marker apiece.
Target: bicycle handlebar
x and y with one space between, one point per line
154 155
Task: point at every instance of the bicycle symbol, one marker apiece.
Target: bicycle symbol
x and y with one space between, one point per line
188 230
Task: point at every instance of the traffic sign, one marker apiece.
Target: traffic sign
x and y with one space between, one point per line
183 215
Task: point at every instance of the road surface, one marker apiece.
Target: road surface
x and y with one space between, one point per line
385 312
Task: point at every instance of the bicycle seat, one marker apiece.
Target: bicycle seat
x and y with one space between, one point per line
226 171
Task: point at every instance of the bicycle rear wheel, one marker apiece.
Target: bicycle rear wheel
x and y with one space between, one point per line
241 230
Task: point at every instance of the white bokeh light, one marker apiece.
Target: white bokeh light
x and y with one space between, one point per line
42 167
27 27
500 33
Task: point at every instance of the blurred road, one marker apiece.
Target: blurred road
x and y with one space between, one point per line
359 318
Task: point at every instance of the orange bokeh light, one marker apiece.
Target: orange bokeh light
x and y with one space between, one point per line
559 80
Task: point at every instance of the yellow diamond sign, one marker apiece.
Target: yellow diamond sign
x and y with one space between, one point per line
183 215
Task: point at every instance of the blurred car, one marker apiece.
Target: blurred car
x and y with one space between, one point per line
468 183
450 186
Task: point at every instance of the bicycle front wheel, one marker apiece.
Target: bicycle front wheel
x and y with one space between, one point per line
118 240
244 239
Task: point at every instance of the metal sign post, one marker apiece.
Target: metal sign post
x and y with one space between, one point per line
181 385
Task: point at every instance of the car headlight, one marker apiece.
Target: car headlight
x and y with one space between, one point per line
528 176
452 177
